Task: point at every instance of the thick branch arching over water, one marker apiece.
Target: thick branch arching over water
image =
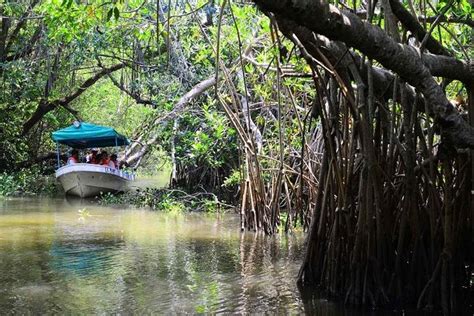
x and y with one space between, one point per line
46 106
327 20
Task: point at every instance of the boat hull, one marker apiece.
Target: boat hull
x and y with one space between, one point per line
86 180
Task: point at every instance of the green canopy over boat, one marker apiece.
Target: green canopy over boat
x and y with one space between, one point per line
87 135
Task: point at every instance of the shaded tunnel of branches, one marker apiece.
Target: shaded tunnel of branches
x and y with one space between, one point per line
381 172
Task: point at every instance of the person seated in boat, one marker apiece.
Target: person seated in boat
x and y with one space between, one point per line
92 156
74 157
113 163
98 159
104 159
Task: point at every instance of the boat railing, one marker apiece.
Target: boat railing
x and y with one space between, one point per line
121 173
95 168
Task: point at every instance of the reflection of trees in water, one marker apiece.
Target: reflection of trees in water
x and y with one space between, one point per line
84 257
181 275
317 303
196 268
89 274
210 275
269 266
24 278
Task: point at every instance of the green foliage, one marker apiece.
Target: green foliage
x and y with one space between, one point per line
170 205
211 205
164 200
208 292
106 106
155 199
27 182
207 140
295 226
81 32
234 179
12 147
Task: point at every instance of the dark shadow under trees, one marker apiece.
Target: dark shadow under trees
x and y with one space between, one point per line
392 223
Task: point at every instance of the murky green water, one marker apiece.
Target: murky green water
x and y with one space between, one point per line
56 257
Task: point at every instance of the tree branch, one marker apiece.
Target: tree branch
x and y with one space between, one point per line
428 19
411 23
89 82
338 25
431 19
448 67
46 106
133 95
178 108
28 46
21 23
5 26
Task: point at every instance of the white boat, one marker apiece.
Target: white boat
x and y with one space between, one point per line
83 179
87 180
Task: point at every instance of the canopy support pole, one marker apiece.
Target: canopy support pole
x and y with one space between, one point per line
57 154
116 144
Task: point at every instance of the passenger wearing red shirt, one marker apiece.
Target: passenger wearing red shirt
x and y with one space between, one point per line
104 161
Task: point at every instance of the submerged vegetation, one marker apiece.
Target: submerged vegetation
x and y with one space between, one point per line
351 120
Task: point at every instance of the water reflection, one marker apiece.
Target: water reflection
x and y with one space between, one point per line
54 258
83 257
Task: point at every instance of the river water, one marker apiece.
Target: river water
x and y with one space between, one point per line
60 256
